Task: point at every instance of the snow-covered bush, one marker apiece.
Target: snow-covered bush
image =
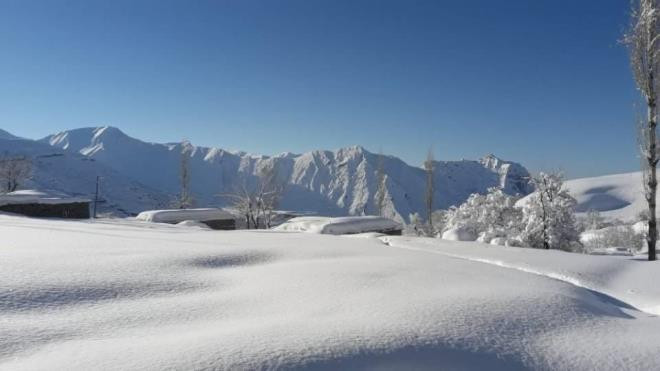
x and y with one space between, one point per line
620 236
486 216
549 217
416 226
14 171
591 221
462 233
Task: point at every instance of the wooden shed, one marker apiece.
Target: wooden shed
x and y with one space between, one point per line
45 204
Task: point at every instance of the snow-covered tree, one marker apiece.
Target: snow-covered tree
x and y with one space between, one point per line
592 220
14 171
487 216
381 180
185 199
429 168
643 40
416 226
548 215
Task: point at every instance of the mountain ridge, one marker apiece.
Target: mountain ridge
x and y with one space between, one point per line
339 182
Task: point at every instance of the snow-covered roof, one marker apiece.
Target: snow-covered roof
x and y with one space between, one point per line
180 215
32 196
341 225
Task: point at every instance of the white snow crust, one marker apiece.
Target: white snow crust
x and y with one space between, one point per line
338 226
181 215
38 197
130 295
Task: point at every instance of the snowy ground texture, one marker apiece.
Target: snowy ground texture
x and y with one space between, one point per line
125 295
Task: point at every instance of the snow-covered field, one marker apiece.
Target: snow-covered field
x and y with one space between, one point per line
618 196
119 294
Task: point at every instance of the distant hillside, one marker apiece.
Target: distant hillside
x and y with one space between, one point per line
617 196
139 175
75 174
329 182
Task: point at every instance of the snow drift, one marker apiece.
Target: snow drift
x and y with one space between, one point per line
119 294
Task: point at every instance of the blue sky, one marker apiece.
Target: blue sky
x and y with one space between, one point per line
541 82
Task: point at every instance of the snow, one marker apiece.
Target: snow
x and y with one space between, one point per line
193 224
75 174
180 215
617 196
334 183
130 295
459 234
32 196
339 226
622 278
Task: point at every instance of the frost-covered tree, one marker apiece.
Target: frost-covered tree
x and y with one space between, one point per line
270 190
487 216
439 221
244 201
620 236
258 201
185 199
14 171
429 168
643 41
592 220
416 226
548 215
381 180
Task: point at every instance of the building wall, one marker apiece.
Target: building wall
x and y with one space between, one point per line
224 224
74 210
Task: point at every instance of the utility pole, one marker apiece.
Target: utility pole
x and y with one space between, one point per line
96 195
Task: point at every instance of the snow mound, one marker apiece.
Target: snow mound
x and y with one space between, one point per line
459 234
180 215
193 223
32 196
339 226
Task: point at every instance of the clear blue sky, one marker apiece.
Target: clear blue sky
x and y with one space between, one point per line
542 82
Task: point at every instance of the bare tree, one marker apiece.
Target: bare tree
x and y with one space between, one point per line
381 180
429 167
185 199
243 200
14 171
270 192
258 204
643 40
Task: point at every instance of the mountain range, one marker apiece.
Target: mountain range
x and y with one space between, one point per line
137 175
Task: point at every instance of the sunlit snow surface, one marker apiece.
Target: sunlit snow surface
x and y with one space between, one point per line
129 295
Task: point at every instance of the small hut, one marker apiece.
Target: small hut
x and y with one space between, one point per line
217 219
45 204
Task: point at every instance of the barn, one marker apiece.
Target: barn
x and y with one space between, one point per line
217 219
45 204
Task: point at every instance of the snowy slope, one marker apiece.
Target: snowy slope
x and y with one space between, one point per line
329 182
75 174
124 295
617 196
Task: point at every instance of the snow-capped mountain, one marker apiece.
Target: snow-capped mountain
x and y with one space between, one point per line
75 174
329 182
